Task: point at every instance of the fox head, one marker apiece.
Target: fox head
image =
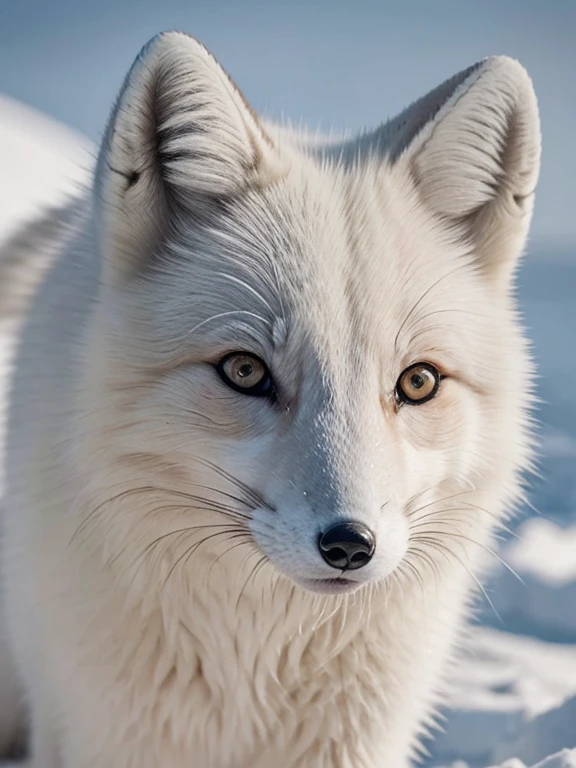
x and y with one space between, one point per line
305 353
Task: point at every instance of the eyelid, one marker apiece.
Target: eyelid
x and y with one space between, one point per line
428 360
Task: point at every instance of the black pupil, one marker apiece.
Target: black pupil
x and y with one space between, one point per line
417 381
245 370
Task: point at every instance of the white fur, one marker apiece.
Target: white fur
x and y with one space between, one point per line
340 265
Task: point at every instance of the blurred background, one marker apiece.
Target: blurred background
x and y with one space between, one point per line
347 65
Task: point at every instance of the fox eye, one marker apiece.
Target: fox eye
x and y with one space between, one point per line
246 373
418 384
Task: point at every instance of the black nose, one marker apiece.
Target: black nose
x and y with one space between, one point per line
347 546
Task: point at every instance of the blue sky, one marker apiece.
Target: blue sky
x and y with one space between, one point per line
325 62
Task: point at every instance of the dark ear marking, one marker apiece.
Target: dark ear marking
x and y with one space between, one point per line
180 137
521 200
133 178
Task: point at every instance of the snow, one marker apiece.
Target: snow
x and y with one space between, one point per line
514 700
41 161
539 536
564 759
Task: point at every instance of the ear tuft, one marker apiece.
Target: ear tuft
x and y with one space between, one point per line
486 133
181 134
472 147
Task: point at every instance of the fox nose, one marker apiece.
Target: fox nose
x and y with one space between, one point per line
347 546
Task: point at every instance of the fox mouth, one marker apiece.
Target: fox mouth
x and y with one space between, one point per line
336 586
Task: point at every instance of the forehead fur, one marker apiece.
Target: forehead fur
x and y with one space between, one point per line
362 281
339 258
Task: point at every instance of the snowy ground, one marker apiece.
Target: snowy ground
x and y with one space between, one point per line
515 699
518 678
41 161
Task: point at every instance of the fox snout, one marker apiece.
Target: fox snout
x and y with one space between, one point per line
323 548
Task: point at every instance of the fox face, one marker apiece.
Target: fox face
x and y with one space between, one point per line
305 356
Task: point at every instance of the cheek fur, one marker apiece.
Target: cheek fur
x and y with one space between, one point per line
197 400
446 429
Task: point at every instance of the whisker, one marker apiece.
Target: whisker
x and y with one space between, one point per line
227 314
441 515
447 524
230 496
213 505
164 536
180 534
490 514
228 511
421 299
246 538
442 548
416 573
189 552
436 501
430 560
254 570
457 310
490 551
251 493
248 287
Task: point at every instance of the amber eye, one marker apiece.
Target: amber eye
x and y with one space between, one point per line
418 384
246 373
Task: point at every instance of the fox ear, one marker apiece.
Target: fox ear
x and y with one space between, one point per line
181 136
472 147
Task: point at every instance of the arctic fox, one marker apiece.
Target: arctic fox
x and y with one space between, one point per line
270 403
